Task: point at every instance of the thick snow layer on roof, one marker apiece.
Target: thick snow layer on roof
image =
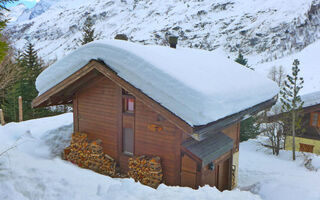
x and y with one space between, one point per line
311 99
197 85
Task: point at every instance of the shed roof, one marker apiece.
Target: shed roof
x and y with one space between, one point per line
196 85
211 148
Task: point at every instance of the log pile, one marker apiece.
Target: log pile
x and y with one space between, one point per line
89 155
146 169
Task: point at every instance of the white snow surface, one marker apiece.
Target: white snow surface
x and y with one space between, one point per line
198 86
31 172
311 99
309 66
275 178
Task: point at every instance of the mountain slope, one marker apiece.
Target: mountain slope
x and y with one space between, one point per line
270 28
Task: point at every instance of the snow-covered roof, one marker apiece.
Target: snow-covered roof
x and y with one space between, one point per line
311 99
198 86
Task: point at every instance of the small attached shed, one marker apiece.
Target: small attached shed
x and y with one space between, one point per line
183 105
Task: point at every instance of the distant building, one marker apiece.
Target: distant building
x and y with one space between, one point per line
183 105
309 141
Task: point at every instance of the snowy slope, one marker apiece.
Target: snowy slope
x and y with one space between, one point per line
15 12
32 171
271 28
309 65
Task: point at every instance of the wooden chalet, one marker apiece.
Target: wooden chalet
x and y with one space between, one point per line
309 140
117 99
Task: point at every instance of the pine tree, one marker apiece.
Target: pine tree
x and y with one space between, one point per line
292 104
29 66
242 61
88 31
248 127
3 44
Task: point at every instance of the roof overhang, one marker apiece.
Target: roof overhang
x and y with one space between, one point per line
202 132
307 109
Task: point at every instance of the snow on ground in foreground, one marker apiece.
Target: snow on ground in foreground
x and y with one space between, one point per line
276 178
32 170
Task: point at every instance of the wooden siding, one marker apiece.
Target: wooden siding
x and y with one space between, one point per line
220 177
188 171
165 143
233 132
97 108
98 112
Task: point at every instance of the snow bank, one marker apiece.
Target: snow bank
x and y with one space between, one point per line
197 85
29 172
276 178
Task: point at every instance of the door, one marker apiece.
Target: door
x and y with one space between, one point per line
188 171
223 175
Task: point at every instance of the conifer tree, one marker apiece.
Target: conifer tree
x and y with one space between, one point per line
88 31
292 104
3 44
29 66
242 61
248 127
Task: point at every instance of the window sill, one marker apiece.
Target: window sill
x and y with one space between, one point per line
128 113
127 154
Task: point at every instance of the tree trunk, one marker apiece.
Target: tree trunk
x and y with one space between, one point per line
293 136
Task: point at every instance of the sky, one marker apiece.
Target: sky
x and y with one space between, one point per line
28 3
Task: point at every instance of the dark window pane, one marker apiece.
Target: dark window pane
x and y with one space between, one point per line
127 140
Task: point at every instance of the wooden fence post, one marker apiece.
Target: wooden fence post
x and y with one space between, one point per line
20 109
2 118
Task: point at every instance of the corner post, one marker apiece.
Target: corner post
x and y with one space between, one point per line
20 109
2 118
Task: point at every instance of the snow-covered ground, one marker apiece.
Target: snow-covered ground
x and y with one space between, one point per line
33 170
276 178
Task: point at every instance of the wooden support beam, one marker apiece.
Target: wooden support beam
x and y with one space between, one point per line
20 109
2 118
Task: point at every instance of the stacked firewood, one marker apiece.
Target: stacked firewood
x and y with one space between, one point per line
89 155
146 169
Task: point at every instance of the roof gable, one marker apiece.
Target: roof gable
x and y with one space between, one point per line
198 86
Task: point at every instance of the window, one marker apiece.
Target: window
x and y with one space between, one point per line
127 141
128 102
306 148
315 119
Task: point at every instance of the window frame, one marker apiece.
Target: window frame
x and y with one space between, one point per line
315 119
124 145
125 102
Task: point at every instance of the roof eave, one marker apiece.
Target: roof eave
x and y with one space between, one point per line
202 132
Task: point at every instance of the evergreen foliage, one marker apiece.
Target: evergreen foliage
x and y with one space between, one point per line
292 104
242 61
29 67
3 44
88 31
249 127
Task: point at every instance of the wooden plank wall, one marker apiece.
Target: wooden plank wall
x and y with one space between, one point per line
97 111
233 132
165 143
